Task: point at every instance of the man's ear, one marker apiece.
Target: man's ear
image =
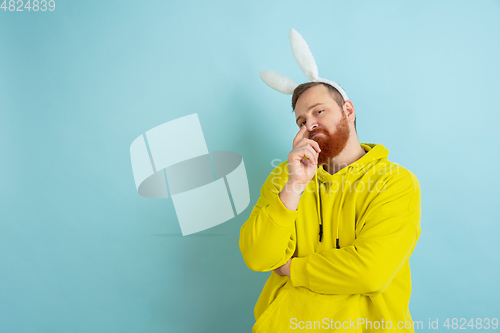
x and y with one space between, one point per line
348 109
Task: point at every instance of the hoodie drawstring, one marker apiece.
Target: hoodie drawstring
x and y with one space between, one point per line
318 208
337 241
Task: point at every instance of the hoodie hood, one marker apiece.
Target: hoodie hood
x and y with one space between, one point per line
374 153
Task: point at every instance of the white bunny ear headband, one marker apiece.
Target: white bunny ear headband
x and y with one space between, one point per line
305 59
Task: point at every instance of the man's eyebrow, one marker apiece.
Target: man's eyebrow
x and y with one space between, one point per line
311 107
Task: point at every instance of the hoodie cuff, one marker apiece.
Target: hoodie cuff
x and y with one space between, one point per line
298 272
279 214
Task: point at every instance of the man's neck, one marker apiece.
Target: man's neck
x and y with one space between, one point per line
351 153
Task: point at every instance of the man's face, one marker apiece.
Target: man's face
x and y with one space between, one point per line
326 122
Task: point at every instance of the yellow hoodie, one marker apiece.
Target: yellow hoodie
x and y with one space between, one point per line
371 209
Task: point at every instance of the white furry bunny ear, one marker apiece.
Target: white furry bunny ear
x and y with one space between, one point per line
278 82
306 61
303 55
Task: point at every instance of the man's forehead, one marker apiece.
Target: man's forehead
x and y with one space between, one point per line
308 101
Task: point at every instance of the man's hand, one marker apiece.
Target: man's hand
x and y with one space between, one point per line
302 165
285 269
302 170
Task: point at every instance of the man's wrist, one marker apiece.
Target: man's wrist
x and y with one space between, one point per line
295 187
290 195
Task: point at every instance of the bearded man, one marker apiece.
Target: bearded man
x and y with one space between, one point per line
335 224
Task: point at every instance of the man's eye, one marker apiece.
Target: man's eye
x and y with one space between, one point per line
320 111
302 123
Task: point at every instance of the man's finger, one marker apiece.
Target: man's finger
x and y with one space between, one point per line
305 152
312 143
299 136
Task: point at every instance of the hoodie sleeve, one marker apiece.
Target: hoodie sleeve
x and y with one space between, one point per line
390 229
268 237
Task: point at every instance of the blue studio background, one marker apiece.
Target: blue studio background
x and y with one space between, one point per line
82 251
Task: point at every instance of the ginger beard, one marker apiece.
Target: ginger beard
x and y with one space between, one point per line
332 145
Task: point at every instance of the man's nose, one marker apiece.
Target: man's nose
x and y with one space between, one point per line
311 126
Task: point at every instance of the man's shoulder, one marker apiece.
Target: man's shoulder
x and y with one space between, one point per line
392 173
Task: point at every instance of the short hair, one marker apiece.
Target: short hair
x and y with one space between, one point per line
301 88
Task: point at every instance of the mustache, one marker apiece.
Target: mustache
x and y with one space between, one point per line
317 130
